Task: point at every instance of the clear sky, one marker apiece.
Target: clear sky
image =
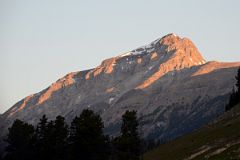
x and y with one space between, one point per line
42 40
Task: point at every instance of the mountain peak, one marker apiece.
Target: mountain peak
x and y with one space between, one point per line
161 56
170 35
174 53
167 44
182 48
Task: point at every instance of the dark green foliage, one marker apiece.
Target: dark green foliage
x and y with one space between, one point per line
43 139
19 141
128 145
238 79
238 86
85 140
60 135
51 139
86 137
235 95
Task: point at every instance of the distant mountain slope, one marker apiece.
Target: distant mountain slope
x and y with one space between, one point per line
219 140
168 82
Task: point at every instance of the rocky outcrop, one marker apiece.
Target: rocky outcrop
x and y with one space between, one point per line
168 82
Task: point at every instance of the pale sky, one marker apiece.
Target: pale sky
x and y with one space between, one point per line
42 40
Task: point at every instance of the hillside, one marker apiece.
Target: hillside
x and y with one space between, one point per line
219 140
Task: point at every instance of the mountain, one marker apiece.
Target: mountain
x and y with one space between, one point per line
168 82
218 140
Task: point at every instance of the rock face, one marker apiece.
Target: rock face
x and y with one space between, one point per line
168 82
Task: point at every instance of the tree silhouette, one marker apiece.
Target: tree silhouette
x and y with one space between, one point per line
19 141
87 140
128 144
42 148
238 85
60 135
234 98
52 140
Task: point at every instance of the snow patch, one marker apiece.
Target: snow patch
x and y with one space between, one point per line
160 124
151 50
150 67
156 41
174 34
111 100
141 50
125 54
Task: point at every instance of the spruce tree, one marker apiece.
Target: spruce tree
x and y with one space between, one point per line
234 98
19 141
128 144
87 140
42 149
42 128
238 85
51 139
60 134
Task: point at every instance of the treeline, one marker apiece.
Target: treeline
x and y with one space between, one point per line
235 95
82 140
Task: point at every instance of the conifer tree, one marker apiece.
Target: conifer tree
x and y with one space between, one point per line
42 149
234 98
87 140
19 141
238 85
60 135
128 144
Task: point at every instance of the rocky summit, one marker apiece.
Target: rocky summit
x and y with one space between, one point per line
171 86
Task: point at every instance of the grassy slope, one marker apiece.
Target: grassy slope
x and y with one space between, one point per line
219 140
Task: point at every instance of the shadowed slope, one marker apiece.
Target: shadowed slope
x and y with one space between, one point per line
216 141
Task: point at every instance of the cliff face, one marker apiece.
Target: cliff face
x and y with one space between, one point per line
168 82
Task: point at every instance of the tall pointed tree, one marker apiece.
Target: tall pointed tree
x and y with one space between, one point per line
60 135
51 139
86 137
238 84
128 144
19 141
42 149
42 128
234 98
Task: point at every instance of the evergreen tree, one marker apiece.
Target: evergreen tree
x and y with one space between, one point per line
232 100
19 141
42 148
128 144
42 129
51 139
60 135
87 140
238 85
235 95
